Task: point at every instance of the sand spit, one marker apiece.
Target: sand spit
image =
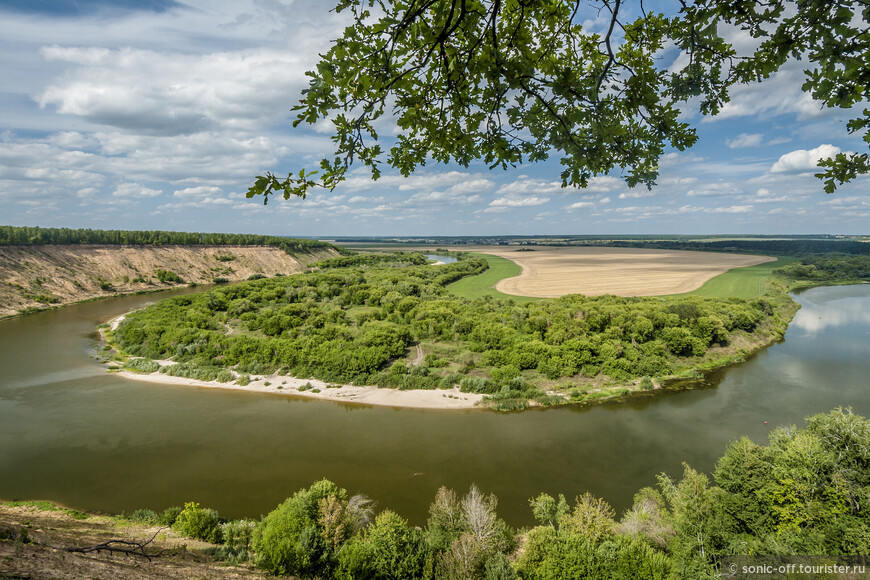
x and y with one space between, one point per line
283 385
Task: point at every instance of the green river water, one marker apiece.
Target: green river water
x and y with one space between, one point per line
73 433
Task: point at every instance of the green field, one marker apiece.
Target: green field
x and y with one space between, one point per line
744 283
483 284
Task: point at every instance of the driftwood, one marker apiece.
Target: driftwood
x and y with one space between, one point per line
127 547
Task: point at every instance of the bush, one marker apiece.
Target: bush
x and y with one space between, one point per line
256 277
474 385
169 515
144 516
168 276
289 540
237 534
142 365
199 523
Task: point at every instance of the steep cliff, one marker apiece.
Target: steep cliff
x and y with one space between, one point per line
51 275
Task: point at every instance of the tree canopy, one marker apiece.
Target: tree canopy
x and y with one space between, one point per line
515 81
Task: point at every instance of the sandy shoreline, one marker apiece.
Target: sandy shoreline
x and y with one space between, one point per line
283 385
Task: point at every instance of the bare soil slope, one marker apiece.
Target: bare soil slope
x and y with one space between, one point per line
34 544
38 276
553 272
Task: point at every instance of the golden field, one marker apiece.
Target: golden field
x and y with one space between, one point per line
552 272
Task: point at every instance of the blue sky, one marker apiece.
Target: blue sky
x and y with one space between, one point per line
158 114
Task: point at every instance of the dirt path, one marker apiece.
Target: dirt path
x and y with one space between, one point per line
419 359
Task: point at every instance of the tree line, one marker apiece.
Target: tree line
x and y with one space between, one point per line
36 236
790 247
827 268
806 492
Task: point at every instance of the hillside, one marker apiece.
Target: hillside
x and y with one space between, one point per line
41 276
36 539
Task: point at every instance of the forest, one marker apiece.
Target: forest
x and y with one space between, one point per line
35 236
806 492
354 319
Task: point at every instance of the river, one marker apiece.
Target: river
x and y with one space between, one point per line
71 432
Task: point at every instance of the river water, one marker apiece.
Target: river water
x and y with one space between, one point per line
71 432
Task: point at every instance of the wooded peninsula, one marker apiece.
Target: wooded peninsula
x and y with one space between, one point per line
389 320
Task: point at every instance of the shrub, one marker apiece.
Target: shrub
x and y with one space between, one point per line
199 523
167 276
290 541
144 516
46 299
237 534
169 515
474 385
256 277
142 365
243 380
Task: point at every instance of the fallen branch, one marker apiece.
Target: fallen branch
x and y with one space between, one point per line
128 547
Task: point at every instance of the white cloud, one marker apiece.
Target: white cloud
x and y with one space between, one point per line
803 161
135 190
777 95
170 93
731 209
637 194
745 140
528 186
201 191
519 201
715 189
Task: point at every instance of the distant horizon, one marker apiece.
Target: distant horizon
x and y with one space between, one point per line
327 237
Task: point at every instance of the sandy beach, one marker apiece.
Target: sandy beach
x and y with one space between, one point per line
283 385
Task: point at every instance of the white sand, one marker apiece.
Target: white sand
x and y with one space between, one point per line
282 385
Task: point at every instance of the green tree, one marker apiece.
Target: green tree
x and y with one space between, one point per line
509 82
292 539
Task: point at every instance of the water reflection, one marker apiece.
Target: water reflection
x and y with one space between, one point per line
843 311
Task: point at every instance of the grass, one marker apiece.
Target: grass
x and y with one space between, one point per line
48 506
744 283
482 285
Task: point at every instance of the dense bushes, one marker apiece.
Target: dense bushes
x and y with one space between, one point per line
807 492
350 324
827 268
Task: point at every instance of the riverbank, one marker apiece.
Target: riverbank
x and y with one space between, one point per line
46 276
276 384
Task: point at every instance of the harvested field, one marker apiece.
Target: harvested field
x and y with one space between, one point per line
553 272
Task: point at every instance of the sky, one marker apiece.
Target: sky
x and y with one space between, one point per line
158 114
